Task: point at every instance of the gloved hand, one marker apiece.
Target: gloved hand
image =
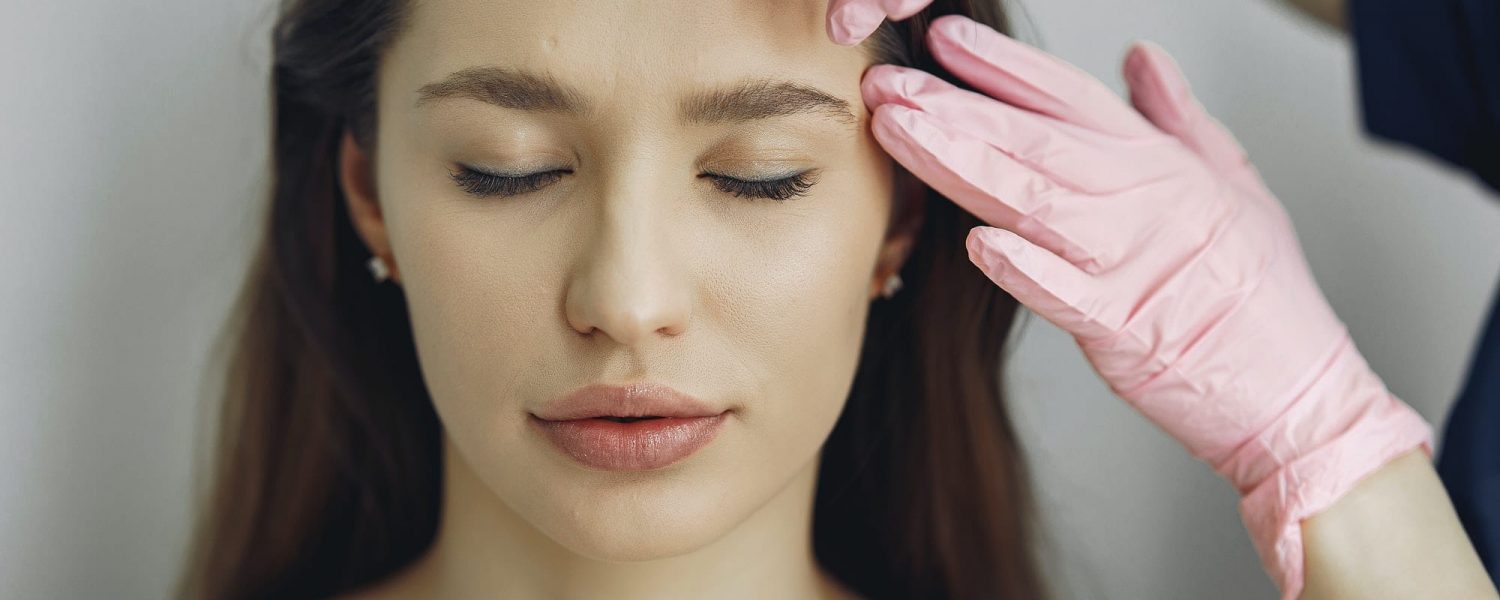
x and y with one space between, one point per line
1146 234
851 21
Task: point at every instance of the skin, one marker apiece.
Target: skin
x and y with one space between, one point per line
630 268
1395 535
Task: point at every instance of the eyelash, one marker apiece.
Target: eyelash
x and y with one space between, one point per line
779 190
484 185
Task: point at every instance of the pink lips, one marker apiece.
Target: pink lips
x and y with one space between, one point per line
578 426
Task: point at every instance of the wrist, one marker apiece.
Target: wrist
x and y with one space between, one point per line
1346 426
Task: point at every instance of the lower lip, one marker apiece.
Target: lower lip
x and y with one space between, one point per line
636 446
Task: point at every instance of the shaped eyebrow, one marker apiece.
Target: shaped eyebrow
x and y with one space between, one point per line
746 100
507 88
753 99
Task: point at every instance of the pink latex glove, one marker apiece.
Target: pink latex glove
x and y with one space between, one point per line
1146 234
851 21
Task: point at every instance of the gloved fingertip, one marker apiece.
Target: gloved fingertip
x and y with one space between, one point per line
895 125
954 30
980 234
972 241
885 125
901 9
989 247
957 26
840 34
1157 87
1002 256
850 23
1135 62
892 84
1046 283
1160 91
1149 62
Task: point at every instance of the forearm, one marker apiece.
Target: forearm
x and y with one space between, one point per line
1330 12
1395 535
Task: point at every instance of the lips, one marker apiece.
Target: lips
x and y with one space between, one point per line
628 419
636 427
633 401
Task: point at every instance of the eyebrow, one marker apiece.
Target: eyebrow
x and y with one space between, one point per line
746 100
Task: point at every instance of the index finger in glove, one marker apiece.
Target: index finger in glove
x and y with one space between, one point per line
851 21
982 179
1024 76
1075 156
1048 285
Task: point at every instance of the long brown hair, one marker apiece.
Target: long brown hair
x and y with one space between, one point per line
327 470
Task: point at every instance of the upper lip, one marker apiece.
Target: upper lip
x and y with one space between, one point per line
629 400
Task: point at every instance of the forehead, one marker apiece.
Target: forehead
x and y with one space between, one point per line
625 52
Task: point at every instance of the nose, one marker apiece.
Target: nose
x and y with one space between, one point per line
628 283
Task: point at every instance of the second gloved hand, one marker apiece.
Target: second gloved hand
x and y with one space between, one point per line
1144 232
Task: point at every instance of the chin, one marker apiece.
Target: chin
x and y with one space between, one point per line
640 526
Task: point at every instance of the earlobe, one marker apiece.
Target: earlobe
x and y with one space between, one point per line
902 235
893 254
356 175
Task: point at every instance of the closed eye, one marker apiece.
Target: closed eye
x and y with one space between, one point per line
484 185
780 190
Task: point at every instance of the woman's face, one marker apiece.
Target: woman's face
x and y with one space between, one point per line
629 263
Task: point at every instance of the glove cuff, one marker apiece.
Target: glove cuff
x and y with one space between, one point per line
1345 428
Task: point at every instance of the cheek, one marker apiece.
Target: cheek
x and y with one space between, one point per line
483 306
797 295
794 301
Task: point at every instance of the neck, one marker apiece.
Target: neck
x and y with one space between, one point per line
485 549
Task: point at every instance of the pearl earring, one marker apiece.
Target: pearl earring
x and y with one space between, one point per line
892 285
378 270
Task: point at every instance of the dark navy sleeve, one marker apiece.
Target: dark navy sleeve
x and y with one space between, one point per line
1469 459
1429 78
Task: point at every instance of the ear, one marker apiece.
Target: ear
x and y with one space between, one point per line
901 236
357 180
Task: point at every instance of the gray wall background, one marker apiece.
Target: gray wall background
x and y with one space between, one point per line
132 143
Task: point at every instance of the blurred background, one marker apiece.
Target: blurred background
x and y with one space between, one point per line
132 155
